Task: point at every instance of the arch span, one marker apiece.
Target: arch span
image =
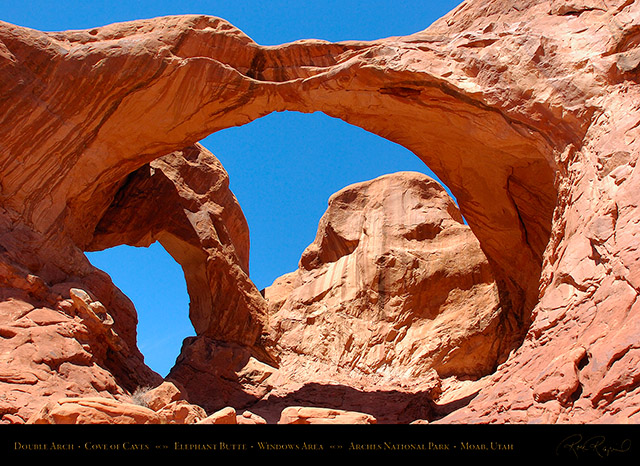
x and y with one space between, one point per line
178 79
202 227
523 113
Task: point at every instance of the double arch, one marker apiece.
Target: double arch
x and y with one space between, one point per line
150 88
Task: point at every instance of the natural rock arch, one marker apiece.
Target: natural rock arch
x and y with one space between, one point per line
231 80
512 106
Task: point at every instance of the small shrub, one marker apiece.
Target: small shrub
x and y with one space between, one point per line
138 396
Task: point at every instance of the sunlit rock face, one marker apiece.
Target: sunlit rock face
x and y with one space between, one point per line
395 285
394 296
526 110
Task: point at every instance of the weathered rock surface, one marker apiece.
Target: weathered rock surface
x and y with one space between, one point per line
527 110
218 374
394 293
182 412
304 415
55 347
164 404
224 416
202 227
249 418
394 286
70 332
94 411
160 396
99 410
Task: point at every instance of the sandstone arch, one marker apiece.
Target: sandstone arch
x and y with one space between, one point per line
508 202
525 111
203 229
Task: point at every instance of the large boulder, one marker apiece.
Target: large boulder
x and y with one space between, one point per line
394 286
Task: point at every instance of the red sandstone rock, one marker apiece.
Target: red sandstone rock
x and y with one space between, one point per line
224 416
82 332
307 415
202 227
94 411
394 286
526 110
161 396
218 374
247 417
182 412
394 295
58 353
100 410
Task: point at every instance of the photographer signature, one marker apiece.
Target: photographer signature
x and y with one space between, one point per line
597 445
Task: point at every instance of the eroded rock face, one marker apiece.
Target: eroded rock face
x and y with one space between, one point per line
302 415
202 226
58 340
68 331
164 404
527 110
94 411
394 286
508 202
393 296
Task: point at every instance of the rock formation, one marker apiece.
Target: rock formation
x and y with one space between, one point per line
57 340
300 415
201 226
394 286
527 110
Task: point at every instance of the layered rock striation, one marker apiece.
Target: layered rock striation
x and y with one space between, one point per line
393 304
395 286
526 110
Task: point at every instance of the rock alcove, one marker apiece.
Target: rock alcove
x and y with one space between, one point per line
513 108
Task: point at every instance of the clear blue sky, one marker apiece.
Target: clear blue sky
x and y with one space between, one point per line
283 167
